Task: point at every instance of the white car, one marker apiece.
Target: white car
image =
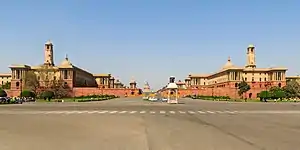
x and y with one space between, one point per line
152 99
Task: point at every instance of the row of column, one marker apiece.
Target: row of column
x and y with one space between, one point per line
236 76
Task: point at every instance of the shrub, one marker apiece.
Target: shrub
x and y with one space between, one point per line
26 93
2 93
47 95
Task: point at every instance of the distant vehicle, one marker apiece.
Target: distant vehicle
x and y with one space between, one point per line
164 99
153 99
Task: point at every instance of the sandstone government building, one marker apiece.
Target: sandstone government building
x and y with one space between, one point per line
222 83
79 80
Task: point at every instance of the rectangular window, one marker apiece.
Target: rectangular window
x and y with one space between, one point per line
66 74
252 79
259 79
18 74
265 79
245 79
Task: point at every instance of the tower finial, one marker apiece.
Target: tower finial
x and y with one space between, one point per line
229 58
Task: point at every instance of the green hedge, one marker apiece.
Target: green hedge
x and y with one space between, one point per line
26 93
209 97
96 96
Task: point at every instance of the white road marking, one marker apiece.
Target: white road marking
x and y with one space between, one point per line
172 112
201 112
230 112
211 112
152 112
113 112
191 112
122 112
142 112
220 112
102 112
132 112
162 112
182 112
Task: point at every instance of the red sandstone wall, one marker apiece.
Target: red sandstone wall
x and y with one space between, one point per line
228 90
82 91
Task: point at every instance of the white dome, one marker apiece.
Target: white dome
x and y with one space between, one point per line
172 86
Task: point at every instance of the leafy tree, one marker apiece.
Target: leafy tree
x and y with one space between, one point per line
292 89
277 92
243 88
6 85
60 89
2 93
31 81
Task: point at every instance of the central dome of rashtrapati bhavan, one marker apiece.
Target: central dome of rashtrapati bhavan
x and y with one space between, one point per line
80 81
225 81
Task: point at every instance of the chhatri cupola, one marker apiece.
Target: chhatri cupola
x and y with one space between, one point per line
132 83
66 63
228 64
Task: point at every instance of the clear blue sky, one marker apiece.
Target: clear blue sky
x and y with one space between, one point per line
151 39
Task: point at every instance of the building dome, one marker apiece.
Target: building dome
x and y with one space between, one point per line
228 64
66 62
250 46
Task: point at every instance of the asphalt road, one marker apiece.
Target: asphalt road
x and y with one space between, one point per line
134 124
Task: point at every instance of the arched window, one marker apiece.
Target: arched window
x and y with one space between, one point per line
279 84
17 84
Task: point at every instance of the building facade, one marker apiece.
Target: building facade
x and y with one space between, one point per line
225 81
75 78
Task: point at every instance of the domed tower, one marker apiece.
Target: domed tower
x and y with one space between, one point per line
251 62
172 91
132 84
48 57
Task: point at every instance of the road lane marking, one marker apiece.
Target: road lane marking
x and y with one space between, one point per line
102 112
191 112
152 112
142 112
132 112
211 112
220 112
122 112
172 112
201 112
162 112
113 112
182 112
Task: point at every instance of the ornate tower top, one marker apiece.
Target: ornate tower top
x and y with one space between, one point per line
48 54
251 61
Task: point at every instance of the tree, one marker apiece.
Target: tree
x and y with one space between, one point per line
277 92
31 81
264 95
292 89
6 85
243 88
2 93
60 89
